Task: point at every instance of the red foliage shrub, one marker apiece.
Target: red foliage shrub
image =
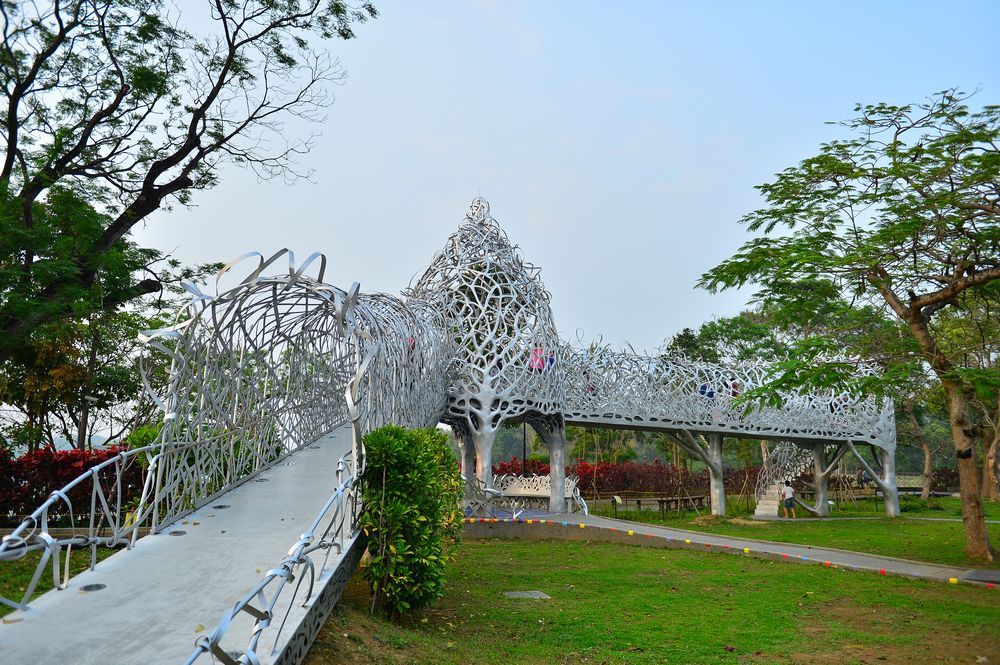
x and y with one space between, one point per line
943 480
626 478
27 481
604 478
517 467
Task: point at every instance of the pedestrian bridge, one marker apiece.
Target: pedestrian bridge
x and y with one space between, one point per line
274 362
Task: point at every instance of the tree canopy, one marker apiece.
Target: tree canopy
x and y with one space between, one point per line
900 217
112 110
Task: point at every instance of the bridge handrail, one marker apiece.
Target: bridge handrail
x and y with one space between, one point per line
606 386
341 504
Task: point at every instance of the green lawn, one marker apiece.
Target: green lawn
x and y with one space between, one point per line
904 537
911 506
947 507
624 604
15 575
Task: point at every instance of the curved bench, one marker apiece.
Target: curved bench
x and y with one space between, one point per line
533 492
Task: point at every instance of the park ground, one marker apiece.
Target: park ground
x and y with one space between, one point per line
625 604
927 531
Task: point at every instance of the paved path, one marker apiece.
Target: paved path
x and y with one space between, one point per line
593 527
161 595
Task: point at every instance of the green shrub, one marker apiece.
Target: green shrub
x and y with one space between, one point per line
914 504
411 491
140 437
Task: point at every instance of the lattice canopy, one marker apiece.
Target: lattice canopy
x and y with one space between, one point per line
507 359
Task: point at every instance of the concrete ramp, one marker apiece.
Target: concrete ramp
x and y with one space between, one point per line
151 603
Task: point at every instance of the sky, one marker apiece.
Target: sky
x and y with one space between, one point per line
618 144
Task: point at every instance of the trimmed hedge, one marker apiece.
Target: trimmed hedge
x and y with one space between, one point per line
411 489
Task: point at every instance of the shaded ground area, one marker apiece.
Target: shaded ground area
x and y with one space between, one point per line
617 604
932 541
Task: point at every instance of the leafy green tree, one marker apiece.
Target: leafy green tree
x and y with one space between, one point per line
900 216
746 336
111 111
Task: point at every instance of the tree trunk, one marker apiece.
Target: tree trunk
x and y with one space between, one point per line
82 438
918 434
483 441
991 470
884 478
890 492
554 437
925 488
977 537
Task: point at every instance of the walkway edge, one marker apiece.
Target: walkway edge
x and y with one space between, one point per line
293 651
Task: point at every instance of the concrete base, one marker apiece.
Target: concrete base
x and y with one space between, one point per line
169 589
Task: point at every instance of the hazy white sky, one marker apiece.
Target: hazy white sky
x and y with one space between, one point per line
618 143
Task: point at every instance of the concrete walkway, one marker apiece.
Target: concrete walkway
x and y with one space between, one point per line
170 588
593 527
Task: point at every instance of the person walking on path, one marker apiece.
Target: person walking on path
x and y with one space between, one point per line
788 494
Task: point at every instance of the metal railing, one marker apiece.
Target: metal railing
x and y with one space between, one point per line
176 480
333 528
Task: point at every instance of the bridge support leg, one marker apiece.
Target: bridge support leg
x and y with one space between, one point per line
820 479
885 477
707 448
483 442
468 462
553 433
716 474
889 490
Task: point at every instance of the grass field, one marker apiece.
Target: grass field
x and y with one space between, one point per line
624 604
947 507
912 506
905 537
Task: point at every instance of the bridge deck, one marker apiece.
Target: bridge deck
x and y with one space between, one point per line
160 596
666 425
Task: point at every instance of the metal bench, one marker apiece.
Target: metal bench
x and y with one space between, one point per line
664 503
520 493
481 499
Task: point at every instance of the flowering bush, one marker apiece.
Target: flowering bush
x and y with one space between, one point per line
27 481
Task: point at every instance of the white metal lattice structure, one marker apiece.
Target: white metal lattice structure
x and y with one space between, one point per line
608 388
257 371
507 362
784 462
265 366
